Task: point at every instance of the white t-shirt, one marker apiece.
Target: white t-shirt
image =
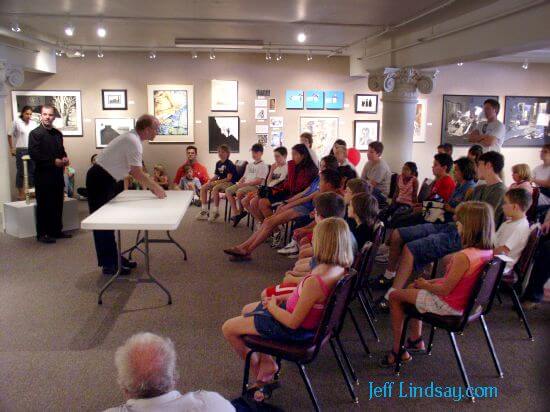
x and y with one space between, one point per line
20 132
514 236
199 401
494 128
542 172
278 175
254 171
123 152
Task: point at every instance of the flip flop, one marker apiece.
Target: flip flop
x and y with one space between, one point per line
385 361
233 252
414 345
262 391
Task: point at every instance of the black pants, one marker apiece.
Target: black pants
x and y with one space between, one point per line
540 273
49 203
101 189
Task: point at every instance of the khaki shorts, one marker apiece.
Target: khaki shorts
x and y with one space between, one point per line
233 190
220 186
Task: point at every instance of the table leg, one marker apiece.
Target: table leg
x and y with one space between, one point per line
119 269
177 245
147 266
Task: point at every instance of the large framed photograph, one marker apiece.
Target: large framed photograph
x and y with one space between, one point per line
223 130
114 99
324 131
366 103
365 132
419 135
172 104
225 96
294 99
67 105
461 115
107 129
527 121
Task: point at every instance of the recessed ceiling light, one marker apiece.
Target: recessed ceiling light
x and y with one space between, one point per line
101 31
268 56
15 27
69 30
301 37
279 56
212 55
152 55
460 64
525 64
309 57
58 52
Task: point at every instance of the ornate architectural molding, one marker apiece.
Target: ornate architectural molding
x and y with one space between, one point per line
401 84
15 76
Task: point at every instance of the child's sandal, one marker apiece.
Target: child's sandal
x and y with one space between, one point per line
416 345
385 362
262 391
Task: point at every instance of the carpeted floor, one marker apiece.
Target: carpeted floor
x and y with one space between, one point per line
57 344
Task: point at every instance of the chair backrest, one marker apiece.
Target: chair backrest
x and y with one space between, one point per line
425 190
369 252
523 266
532 211
240 165
393 184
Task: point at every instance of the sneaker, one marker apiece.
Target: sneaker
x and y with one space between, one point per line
197 202
46 239
277 239
292 256
213 217
292 250
203 215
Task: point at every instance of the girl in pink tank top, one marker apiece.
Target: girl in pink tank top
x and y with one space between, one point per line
447 296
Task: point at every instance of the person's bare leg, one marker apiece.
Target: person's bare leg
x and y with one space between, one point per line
216 195
397 299
255 210
267 228
396 244
404 270
245 203
232 202
265 208
233 329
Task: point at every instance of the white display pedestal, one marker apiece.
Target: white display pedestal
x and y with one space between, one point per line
20 221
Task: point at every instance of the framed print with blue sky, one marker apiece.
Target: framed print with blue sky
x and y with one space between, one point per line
334 100
315 99
294 99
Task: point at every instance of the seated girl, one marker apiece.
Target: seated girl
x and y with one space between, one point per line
406 192
294 317
363 209
521 173
447 296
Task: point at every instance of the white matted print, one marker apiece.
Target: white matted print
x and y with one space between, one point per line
114 99
324 131
260 103
262 129
172 104
276 138
365 132
366 103
261 113
420 121
225 96
108 129
276 121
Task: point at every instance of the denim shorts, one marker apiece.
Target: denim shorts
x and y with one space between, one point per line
429 242
269 328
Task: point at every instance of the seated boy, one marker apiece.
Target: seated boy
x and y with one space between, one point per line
190 182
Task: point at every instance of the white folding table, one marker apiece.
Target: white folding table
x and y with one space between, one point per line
140 210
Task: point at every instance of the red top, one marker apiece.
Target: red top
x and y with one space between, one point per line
443 187
199 171
313 318
298 182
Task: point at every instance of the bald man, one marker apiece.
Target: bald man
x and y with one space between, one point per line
121 157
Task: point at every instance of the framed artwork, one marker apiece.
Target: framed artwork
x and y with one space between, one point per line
527 121
315 99
272 105
276 121
461 115
261 113
294 99
260 103
262 139
223 130
366 103
107 129
172 104
324 131
276 138
262 129
365 132
420 121
334 100
225 96
114 99
67 105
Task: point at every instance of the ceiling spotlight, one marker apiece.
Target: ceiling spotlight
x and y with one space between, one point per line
69 30
212 55
101 31
194 55
525 65
301 37
15 27
279 56
460 64
309 57
58 52
268 56
82 54
100 53
152 55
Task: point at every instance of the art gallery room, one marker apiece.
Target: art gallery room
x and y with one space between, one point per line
237 205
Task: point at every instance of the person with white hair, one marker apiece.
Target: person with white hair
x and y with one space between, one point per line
147 375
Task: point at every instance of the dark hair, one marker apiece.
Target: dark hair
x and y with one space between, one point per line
329 204
496 160
365 207
186 168
192 147
476 150
23 110
520 197
358 185
494 104
467 168
308 136
307 162
281 150
224 148
546 146
346 173
93 157
340 142
447 148
378 147
444 160
330 162
413 167
257 147
332 177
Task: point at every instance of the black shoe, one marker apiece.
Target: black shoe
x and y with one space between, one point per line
62 235
110 271
130 264
45 239
238 218
383 305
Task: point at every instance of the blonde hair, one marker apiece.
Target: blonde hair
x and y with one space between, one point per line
332 242
478 224
160 168
523 170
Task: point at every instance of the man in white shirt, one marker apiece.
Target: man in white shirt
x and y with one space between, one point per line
541 176
147 374
121 157
377 172
489 134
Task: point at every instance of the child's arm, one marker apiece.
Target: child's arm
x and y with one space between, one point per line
396 193
459 266
415 191
301 201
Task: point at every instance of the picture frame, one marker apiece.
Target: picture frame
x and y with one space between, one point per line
527 121
107 129
260 113
334 100
173 105
460 115
224 130
324 130
114 99
315 99
224 95
67 104
365 132
420 119
294 99
366 103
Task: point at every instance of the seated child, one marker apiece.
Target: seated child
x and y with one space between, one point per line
521 173
293 317
159 176
363 209
190 182
406 192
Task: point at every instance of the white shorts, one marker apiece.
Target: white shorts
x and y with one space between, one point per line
428 302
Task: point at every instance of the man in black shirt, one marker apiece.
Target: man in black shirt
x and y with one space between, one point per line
47 151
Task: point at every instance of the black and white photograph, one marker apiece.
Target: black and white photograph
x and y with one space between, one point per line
527 121
366 103
461 115
114 99
107 129
67 104
223 130
365 132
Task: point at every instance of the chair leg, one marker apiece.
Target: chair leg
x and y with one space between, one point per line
209 199
369 302
279 366
499 298
358 330
520 312
346 359
344 371
461 365
370 297
491 346
431 341
401 346
246 371
367 314
305 378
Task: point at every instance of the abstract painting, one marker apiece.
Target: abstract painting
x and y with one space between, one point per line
223 130
225 96
324 131
294 99
420 121
334 100
315 99
107 129
527 121
114 99
365 132
366 103
67 105
172 104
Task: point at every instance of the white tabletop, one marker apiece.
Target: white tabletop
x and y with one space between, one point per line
141 210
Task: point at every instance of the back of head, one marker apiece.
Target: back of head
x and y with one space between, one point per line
358 185
520 197
146 366
144 121
332 242
330 162
346 172
365 207
523 171
478 224
329 204
495 158
332 177
475 151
